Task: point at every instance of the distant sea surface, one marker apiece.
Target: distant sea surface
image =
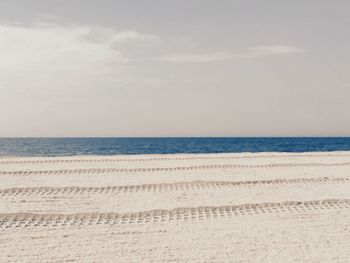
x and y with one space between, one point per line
112 146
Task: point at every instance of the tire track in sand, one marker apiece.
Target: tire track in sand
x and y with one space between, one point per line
11 160
178 186
170 169
182 214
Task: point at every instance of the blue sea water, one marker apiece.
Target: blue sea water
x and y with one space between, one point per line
107 146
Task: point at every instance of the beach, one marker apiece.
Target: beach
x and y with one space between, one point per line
229 207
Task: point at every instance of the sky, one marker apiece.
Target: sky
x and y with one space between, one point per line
174 68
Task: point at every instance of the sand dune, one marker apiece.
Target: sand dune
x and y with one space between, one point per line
264 207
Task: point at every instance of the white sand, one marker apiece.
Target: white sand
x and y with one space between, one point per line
266 207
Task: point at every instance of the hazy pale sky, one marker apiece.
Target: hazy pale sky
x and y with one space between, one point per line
174 68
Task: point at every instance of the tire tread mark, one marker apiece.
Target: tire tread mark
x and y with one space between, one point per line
178 186
170 169
154 216
9 160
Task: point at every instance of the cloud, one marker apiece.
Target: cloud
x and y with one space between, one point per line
255 52
101 35
63 57
273 50
196 58
40 45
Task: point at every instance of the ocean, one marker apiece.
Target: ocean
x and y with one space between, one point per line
112 146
